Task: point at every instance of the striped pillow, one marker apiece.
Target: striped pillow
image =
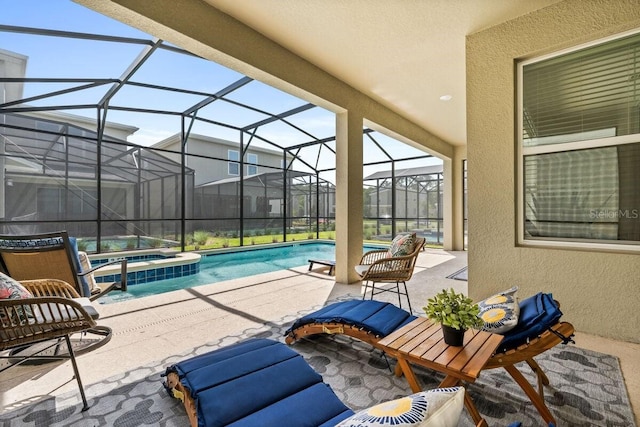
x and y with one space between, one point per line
439 407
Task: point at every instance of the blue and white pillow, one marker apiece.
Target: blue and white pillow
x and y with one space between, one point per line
500 312
439 407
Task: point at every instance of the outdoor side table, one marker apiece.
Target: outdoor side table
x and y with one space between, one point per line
421 343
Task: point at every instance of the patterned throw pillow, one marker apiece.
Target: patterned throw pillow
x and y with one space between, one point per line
85 265
439 407
402 244
12 289
500 311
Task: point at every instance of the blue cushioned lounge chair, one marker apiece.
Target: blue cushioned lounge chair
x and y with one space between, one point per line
259 382
539 329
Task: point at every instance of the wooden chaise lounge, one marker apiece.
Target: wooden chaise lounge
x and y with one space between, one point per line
264 383
370 321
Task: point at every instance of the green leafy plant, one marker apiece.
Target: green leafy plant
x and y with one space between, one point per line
200 237
155 242
131 243
82 245
452 309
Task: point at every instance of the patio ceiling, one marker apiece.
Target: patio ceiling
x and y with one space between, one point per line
404 54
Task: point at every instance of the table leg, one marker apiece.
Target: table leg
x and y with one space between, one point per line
536 399
450 381
398 370
409 375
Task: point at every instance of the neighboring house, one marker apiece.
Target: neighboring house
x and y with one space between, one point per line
216 163
12 64
49 175
202 149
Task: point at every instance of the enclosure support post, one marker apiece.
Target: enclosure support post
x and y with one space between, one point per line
452 212
348 196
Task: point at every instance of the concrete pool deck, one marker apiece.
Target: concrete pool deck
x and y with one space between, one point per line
153 328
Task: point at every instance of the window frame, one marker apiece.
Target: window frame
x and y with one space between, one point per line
252 164
522 151
233 162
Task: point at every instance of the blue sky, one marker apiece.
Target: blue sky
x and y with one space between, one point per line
72 58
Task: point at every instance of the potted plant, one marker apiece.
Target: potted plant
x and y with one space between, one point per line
455 312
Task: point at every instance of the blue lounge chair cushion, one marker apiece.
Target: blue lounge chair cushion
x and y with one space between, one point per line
259 382
377 317
537 314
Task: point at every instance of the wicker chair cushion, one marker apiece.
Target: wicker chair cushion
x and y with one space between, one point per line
51 312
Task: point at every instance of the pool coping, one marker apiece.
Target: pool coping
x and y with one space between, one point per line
220 251
174 258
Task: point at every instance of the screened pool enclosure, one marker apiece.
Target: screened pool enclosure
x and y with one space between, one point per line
127 142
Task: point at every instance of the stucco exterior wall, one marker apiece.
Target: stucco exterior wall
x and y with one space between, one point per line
599 291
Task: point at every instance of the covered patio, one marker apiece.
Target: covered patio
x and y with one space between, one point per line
152 331
597 286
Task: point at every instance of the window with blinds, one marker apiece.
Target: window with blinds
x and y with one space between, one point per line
579 122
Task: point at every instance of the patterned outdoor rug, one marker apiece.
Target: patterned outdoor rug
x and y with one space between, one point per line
587 388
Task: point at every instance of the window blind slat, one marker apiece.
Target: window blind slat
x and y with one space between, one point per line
585 90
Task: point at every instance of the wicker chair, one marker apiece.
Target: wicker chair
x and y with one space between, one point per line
377 267
52 256
32 327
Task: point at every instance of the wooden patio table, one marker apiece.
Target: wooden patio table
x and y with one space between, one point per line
421 343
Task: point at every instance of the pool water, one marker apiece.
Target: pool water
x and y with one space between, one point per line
233 265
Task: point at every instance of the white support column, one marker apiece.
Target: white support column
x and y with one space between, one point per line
348 196
453 209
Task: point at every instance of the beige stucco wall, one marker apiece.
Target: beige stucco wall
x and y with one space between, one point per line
599 291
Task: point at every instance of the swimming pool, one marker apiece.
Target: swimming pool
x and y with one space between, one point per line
232 265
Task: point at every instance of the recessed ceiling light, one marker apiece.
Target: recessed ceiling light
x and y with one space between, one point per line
446 98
